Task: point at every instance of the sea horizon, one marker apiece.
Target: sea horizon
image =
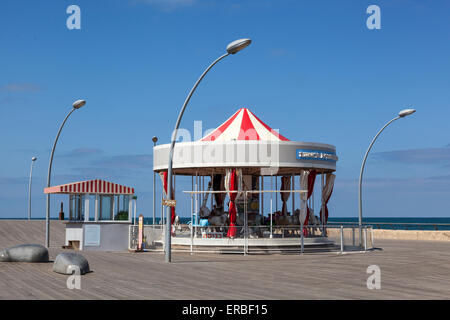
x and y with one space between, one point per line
395 223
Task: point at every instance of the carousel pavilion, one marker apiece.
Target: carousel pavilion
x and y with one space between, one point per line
251 187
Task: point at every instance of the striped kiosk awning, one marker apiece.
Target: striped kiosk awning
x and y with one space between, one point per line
90 186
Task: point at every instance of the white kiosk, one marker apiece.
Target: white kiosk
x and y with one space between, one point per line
108 228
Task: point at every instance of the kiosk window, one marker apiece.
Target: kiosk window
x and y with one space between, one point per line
106 207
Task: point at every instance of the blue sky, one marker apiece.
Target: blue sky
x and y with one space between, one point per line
314 70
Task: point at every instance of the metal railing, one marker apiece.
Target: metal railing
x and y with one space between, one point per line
256 239
276 234
152 237
400 225
346 237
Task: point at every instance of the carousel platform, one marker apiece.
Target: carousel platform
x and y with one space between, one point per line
256 244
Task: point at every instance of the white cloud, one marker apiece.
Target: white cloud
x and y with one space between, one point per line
82 152
417 156
20 87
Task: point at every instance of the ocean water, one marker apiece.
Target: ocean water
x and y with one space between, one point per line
376 223
379 223
399 223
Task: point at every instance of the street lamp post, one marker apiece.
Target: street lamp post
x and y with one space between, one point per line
154 139
233 48
401 114
29 188
76 105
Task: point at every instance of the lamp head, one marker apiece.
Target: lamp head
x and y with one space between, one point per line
406 112
78 104
238 45
33 159
155 139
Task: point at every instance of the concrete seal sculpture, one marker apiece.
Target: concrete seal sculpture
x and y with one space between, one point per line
70 262
25 253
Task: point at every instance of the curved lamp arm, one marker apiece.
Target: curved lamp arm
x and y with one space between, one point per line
54 146
47 215
188 98
361 176
168 230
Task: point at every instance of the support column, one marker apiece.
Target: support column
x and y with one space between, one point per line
293 194
271 206
276 193
196 206
113 207
135 205
154 199
130 208
313 199
212 194
162 209
322 207
262 196
97 207
173 186
192 213
202 183
304 175
86 207
70 207
118 204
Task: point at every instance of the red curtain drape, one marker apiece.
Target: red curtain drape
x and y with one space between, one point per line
311 180
232 208
165 191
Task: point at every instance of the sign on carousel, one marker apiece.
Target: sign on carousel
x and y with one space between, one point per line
307 154
212 235
169 202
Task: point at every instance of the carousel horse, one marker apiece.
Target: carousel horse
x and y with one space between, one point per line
253 232
217 219
285 220
288 221
176 224
313 221
253 223
217 211
239 220
204 211
254 220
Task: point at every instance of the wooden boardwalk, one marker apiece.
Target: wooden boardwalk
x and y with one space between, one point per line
409 270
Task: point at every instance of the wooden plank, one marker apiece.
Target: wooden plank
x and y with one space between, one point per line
409 270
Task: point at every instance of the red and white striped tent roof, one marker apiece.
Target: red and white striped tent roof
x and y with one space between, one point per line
244 125
90 186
